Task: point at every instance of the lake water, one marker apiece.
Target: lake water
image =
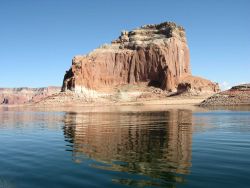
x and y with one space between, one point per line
124 148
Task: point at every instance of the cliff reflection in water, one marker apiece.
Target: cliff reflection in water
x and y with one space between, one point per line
155 144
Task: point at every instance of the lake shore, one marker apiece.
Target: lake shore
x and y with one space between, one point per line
141 104
191 101
168 103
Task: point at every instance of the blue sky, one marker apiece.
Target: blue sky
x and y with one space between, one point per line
39 38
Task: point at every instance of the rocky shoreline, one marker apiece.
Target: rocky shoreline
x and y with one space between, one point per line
237 95
152 96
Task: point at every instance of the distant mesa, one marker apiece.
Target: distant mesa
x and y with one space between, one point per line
155 54
25 95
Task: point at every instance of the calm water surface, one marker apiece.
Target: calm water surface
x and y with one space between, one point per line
119 148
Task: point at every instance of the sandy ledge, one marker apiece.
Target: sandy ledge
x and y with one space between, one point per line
190 103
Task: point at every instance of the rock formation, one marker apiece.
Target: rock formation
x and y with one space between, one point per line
196 85
156 54
237 95
25 95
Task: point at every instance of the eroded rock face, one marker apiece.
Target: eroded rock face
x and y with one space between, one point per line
25 95
157 54
196 85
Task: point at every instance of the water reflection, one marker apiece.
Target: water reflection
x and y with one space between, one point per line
22 120
153 144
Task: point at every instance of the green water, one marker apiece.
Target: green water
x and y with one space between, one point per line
123 148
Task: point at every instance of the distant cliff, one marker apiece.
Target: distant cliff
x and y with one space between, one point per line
25 95
156 54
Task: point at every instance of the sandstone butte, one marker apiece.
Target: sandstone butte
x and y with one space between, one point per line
156 54
150 62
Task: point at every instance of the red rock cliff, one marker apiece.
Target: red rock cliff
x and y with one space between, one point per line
157 54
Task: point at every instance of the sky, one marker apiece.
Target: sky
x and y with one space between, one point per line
39 38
